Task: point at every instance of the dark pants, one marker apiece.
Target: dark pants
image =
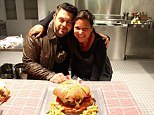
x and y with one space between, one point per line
107 71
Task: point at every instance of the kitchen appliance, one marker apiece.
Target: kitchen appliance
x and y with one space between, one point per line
7 71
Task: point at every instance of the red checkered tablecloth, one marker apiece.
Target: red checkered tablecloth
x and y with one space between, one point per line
27 95
118 99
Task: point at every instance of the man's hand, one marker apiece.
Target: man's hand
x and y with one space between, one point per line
36 30
58 78
106 38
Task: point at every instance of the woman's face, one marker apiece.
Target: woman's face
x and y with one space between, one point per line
82 30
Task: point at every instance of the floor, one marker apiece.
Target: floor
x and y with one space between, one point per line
10 57
139 76
137 73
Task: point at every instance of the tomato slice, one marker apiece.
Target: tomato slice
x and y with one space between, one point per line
87 102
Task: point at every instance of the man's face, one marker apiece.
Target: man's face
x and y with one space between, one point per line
63 22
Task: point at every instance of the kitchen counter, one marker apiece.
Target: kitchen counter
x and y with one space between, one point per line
127 40
116 48
11 43
17 48
27 95
139 42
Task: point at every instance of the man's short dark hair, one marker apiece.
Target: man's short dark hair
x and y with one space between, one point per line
68 7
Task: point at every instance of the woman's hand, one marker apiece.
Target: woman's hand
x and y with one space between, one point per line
36 30
106 38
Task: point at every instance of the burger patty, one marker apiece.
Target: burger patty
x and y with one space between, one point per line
76 107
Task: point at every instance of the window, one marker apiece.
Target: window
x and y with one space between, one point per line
31 9
10 8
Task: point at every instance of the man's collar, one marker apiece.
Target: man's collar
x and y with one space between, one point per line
50 31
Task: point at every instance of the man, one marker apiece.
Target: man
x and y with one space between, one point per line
48 57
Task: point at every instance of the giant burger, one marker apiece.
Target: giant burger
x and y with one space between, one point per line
73 97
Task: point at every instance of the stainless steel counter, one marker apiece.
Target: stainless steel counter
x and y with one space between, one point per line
140 43
117 44
127 40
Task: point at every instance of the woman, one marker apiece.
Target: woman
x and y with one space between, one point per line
89 52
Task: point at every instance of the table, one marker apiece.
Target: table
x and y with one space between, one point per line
27 95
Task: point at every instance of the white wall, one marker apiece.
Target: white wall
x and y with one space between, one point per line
19 26
146 6
2 10
45 6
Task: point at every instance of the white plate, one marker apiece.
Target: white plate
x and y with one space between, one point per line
49 96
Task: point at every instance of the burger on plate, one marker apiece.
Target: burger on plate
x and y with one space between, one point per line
4 92
72 98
